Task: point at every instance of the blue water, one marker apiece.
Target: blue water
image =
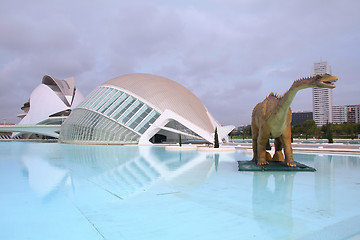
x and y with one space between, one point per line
56 191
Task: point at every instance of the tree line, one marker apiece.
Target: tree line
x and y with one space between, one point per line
309 130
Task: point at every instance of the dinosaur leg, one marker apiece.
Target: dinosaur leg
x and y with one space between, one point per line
261 147
286 140
255 135
278 155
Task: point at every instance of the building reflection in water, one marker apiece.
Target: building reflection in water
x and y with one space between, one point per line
323 186
330 169
120 170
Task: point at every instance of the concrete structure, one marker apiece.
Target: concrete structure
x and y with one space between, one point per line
339 114
140 109
38 131
300 117
322 97
7 134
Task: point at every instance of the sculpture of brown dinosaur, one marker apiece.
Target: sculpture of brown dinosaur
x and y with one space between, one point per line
273 117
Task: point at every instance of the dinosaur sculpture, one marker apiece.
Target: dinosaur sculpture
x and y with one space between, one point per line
273 117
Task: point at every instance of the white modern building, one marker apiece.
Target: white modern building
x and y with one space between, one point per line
140 109
49 105
339 114
322 97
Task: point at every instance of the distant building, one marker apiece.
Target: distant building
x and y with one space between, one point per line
322 97
300 117
339 114
353 113
240 128
346 113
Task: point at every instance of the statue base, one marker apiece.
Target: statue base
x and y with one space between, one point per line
273 166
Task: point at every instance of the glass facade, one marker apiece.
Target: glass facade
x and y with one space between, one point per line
172 137
108 116
178 126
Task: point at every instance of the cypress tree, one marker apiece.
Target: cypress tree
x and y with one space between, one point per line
216 140
329 135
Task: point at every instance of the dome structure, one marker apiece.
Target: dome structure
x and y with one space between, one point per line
139 109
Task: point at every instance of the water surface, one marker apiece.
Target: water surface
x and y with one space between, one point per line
58 191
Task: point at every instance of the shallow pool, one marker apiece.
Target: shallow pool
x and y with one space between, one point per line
57 191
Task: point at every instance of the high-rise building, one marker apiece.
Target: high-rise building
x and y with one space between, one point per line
322 97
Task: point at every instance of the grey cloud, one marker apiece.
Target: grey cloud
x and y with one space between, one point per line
223 51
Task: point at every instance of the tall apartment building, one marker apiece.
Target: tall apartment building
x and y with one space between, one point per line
322 97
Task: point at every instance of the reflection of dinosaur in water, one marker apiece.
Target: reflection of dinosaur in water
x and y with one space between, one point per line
273 117
273 206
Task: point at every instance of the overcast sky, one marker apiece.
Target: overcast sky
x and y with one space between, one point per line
229 53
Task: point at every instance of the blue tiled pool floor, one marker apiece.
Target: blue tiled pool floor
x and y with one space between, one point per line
56 191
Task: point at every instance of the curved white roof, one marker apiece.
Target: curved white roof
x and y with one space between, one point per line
166 94
66 87
43 102
49 98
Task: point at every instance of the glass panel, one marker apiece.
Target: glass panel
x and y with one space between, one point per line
178 126
138 118
88 126
106 128
111 101
105 99
119 134
87 99
99 129
148 120
100 98
116 105
131 111
130 100
83 124
94 97
133 114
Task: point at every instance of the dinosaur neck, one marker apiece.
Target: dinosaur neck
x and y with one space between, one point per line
287 99
285 102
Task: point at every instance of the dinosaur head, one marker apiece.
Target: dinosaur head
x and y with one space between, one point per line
324 81
318 81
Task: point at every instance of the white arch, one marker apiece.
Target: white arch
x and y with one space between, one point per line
166 117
